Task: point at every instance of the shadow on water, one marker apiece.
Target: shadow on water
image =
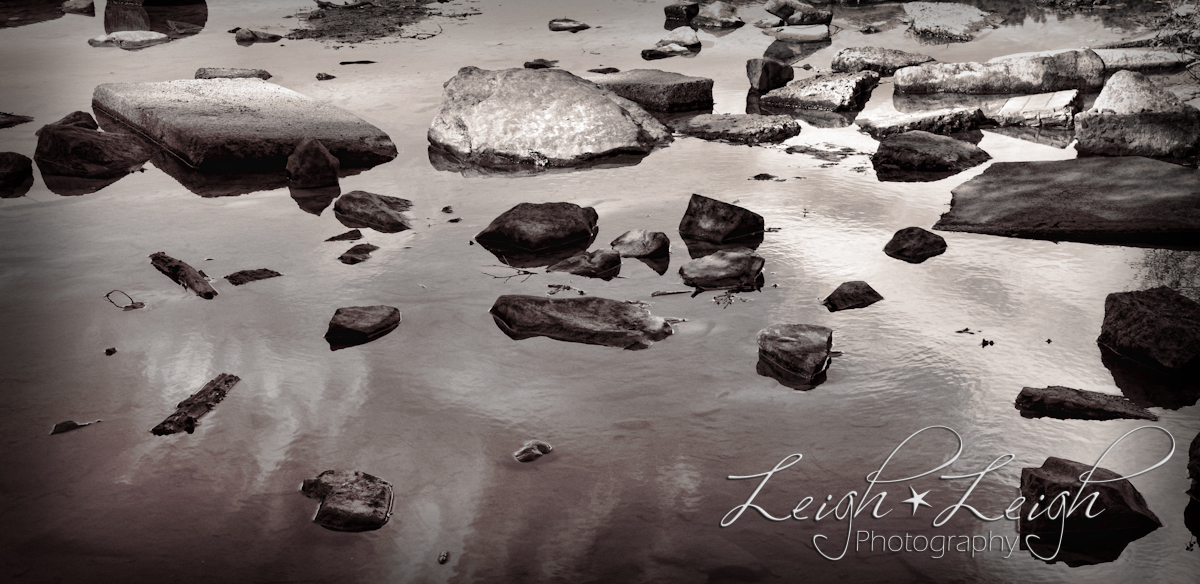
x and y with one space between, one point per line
1149 388
1081 549
659 264
814 118
17 190
74 186
174 18
442 160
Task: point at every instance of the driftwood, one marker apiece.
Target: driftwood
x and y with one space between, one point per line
191 409
183 274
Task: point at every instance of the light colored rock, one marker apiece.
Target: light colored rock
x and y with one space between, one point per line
885 62
943 20
940 121
85 7
580 319
922 151
1082 70
659 90
130 39
831 92
640 243
718 15
739 128
727 269
1141 60
801 350
567 25
683 36
532 450
769 22
1044 109
799 34
1135 117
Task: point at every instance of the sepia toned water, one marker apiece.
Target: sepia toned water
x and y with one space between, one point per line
636 488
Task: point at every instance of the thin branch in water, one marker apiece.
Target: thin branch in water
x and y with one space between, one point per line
133 304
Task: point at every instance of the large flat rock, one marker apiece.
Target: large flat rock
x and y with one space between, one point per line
1121 200
1082 70
219 124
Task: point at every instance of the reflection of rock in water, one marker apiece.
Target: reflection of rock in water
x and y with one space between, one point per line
71 186
315 201
443 160
1175 269
1191 517
14 13
1150 388
174 18
1054 137
790 53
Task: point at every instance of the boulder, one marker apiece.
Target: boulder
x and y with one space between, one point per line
718 222
231 73
767 74
681 11
801 350
545 117
660 90
602 263
1135 117
350 500
853 294
355 325
831 92
379 212
810 16
239 124
812 33
568 25
580 319
311 166
945 21
717 15
72 150
1096 200
130 39
683 36
247 276
1124 508
537 228
85 7
739 128
357 254
639 243
15 170
532 450
1158 328
1065 403
939 121
922 151
885 62
1082 70
915 245
728 269
1055 110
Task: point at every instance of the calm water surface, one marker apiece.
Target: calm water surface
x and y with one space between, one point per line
636 487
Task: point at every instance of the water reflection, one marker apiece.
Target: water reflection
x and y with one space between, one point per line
442 160
1053 137
315 201
1080 549
766 367
698 249
790 53
174 18
525 259
1175 269
1149 388
74 186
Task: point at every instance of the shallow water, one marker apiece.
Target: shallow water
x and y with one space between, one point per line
636 487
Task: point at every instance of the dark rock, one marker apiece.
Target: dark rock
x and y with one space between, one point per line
739 128
84 7
536 228
568 25
231 73
1158 328
325 77
853 294
580 319
247 276
639 243
70 150
443 557
767 74
885 62
314 201
915 245
1065 403
718 222
765 176
532 450
15 170
352 235
922 151
791 53
189 411
602 263
540 64
1082 70
109 352
355 325
786 8
1135 117
1150 387
245 36
940 121
717 15
357 254
682 11
831 92
8 120
379 212
183 274
360 62
660 90
800 350
351 501
311 166
604 70
665 52
78 119
801 14
728 269
550 118
1061 201
67 426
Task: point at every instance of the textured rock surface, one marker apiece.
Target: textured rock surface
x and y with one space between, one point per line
799 349
355 325
681 11
922 151
602 263
1044 109
567 25
640 243
311 166
72 150
832 92
1082 70
231 73
683 36
915 245
812 33
1065 403
85 7
853 294
357 254
727 269
717 15
1158 327
1135 117
739 128
540 227
660 90
532 450
247 276
719 222
584 319
130 39
885 62
379 212
767 74
939 121
183 274
948 21
1124 507
350 500
188 412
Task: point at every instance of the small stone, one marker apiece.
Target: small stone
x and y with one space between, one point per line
853 294
324 77
639 243
110 351
231 73
358 254
915 245
540 64
355 325
532 450
352 235
568 25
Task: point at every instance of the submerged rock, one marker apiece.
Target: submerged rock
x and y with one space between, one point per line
355 325
231 73
544 117
311 166
915 245
639 243
728 269
1082 70
1126 515
1054 110
1158 328
831 92
580 319
1065 403
767 74
717 15
812 33
681 11
189 411
130 39
739 128
947 21
15 170
802 351
853 294
1135 117
540 228
719 222
379 212
247 276
667 51
885 62
602 263
660 90
532 450
939 121
350 500
567 25
352 235
71 150
357 254
922 151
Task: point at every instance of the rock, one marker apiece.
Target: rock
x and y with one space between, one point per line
1124 509
767 74
85 7
810 16
639 243
885 62
940 121
922 151
231 73
727 269
602 263
568 25
604 70
189 411
1134 117
1158 328
1096 200
239 124
352 235
915 245
245 36
813 33
718 222
311 166
1065 403
580 319
357 254
183 274
130 39
540 228
77 119
540 64
683 36
717 15
831 92
1082 70
67 426
739 128
1054 137
550 118
247 276
1142 60
801 350
109 352
947 21
666 51
355 325
70 150
1055 110
681 11
379 212
351 501
769 22
8 120
853 294
785 8
660 90
532 450
324 77
15 170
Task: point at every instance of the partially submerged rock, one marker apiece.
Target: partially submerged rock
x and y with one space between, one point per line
767 74
810 33
719 222
231 73
1065 403
189 411
15 170
245 36
247 276
939 121
379 212
1125 514
945 21
1135 117
885 62
580 319
799 351
540 228
357 254
925 152
853 294
681 11
602 263
831 92
640 243
1056 110
532 450
540 64
661 91
736 269
915 245
352 235
69 425
796 12
311 166
739 128
183 274
355 325
130 39
1082 70
683 36
1143 60
567 25
717 15
1095 200
1158 328
8 120
72 149
543 117
351 501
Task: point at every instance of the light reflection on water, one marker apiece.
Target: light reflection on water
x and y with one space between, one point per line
643 440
